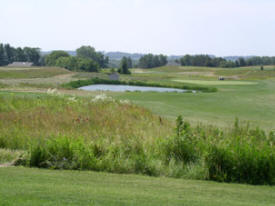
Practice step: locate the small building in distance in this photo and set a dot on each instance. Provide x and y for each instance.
(114, 76)
(21, 64)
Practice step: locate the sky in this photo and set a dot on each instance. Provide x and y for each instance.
(172, 27)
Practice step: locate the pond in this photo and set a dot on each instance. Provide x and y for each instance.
(124, 88)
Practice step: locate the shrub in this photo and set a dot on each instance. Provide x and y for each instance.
(243, 162)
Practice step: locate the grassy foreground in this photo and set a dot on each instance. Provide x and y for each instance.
(27, 187)
(103, 134)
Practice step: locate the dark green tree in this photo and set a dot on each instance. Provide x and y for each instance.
(87, 65)
(89, 52)
(124, 67)
(3, 57)
(32, 55)
(151, 61)
(50, 60)
(20, 55)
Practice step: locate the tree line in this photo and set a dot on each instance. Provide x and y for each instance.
(207, 61)
(9, 54)
(151, 61)
(86, 59)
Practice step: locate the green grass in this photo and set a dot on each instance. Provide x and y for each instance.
(22, 186)
(103, 134)
(215, 83)
(250, 102)
(25, 116)
(28, 73)
(254, 103)
(9, 156)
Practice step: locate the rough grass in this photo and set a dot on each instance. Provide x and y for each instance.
(27, 73)
(104, 134)
(37, 116)
(9, 156)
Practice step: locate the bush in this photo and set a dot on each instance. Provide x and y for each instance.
(244, 163)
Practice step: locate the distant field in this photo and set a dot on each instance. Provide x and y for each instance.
(247, 93)
(214, 83)
(31, 187)
(33, 72)
(33, 77)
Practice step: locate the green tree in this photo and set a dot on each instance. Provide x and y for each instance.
(69, 63)
(77, 64)
(129, 62)
(89, 52)
(124, 67)
(3, 57)
(51, 59)
(151, 61)
(32, 55)
(20, 55)
(10, 53)
(87, 65)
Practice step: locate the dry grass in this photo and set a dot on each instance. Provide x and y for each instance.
(40, 116)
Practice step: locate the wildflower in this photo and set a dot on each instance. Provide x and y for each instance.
(52, 91)
(102, 97)
(72, 99)
(126, 101)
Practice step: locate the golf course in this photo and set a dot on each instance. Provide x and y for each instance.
(126, 140)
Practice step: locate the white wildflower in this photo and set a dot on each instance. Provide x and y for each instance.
(126, 101)
(52, 91)
(72, 99)
(102, 97)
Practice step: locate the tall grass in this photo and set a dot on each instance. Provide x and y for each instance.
(103, 134)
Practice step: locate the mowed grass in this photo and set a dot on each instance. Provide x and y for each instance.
(215, 83)
(253, 103)
(25, 186)
(247, 93)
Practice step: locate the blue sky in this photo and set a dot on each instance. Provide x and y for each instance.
(219, 27)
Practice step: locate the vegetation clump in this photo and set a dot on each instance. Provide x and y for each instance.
(104, 134)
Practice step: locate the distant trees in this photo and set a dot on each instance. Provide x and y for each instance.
(77, 64)
(89, 52)
(51, 59)
(9, 54)
(125, 64)
(86, 59)
(202, 60)
(3, 57)
(206, 60)
(151, 61)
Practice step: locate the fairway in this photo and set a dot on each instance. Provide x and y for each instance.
(137, 103)
(215, 83)
(31, 187)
